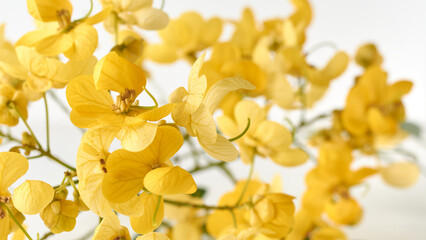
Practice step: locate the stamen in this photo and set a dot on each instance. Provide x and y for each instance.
(5, 199)
(124, 101)
(2, 213)
(64, 18)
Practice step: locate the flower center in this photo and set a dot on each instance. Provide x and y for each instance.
(5, 199)
(124, 101)
(64, 18)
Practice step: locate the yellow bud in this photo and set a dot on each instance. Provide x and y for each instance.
(368, 55)
(400, 174)
(344, 211)
(60, 216)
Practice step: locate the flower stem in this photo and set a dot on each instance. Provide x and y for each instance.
(241, 134)
(154, 222)
(47, 123)
(246, 184)
(15, 220)
(26, 124)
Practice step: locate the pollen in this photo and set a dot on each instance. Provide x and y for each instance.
(124, 101)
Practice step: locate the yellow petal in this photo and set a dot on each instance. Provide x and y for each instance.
(74, 68)
(249, 109)
(32, 196)
(397, 90)
(131, 208)
(161, 53)
(220, 89)
(167, 143)
(196, 86)
(211, 31)
(85, 41)
(90, 189)
(400, 174)
(380, 123)
(169, 180)
(151, 18)
(153, 236)
(273, 135)
(228, 126)
(336, 65)
(47, 10)
(222, 149)
(290, 157)
(146, 223)
(110, 228)
(99, 17)
(137, 137)
(32, 38)
(203, 125)
(88, 104)
(55, 44)
(157, 113)
(12, 167)
(115, 73)
(125, 173)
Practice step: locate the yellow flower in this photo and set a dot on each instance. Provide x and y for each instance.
(367, 55)
(75, 39)
(130, 172)
(110, 228)
(153, 236)
(264, 137)
(331, 181)
(194, 111)
(93, 106)
(344, 211)
(246, 34)
(185, 36)
(12, 167)
(400, 174)
(42, 73)
(188, 225)
(131, 46)
(8, 96)
(60, 215)
(374, 108)
(133, 12)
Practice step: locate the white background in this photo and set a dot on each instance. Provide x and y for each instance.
(397, 27)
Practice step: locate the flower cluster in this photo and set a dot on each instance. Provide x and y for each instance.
(232, 88)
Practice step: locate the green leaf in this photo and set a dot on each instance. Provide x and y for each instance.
(412, 128)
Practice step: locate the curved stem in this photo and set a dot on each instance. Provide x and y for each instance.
(152, 97)
(241, 134)
(163, 3)
(246, 184)
(154, 222)
(90, 10)
(47, 123)
(321, 45)
(15, 220)
(234, 218)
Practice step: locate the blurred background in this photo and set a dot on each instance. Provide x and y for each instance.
(398, 29)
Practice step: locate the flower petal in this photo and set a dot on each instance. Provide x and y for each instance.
(32, 196)
(12, 167)
(222, 149)
(169, 180)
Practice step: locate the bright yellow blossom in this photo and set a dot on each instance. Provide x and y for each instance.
(134, 12)
(184, 37)
(75, 39)
(264, 137)
(93, 106)
(110, 228)
(195, 107)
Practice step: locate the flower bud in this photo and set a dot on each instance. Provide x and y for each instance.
(344, 211)
(400, 174)
(60, 216)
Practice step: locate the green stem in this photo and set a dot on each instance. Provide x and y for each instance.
(49, 155)
(321, 45)
(228, 173)
(26, 124)
(90, 10)
(152, 97)
(15, 220)
(154, 222)
(234, 218)
(47, 123)
(241, 134)
(246, 183)
(210, 165)
(45, 236)
(163, 3)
